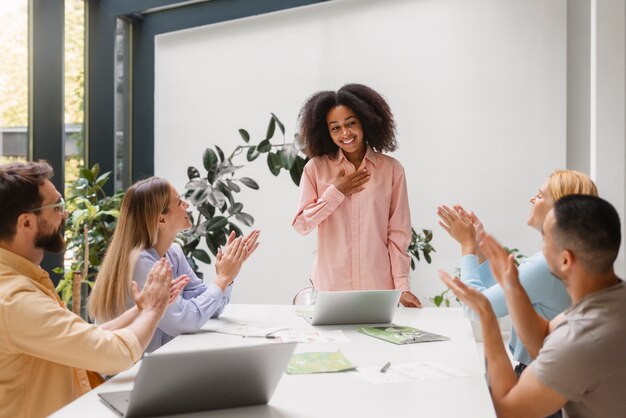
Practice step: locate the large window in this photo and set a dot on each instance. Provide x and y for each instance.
(74, 84)
(14, 144)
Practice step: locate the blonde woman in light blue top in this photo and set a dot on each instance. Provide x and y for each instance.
(546, 292)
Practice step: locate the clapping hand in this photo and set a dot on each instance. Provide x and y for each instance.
(501, 262)
(351, 183)
(478, 225)
(250, 241)
(159, 290)
(460, 227)
(230, 260)
(471, 297)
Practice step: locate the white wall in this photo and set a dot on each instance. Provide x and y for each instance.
(478, 89)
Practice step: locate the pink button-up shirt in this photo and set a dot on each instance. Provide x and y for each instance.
(362, 239)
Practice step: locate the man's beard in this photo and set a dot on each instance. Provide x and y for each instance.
(53, 242)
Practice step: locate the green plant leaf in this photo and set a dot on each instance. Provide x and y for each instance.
(274, 163)
(233, 186)
(236, 208)
(201, 255)
(279, 123)
(271, 127)
(227, 169)
(100, 181)
(264, 146)
(297, 142)
(297, 169)
(245, 218)
(192, 173)
(216, 223)
(245, 135)
(209, 159)
(288, 156)
(211, 244)
(88, 174)
(233, 227)
(249, 182)
(220, 153)
(252, 153)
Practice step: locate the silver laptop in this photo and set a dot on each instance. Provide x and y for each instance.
(176, 383)
(354, 307)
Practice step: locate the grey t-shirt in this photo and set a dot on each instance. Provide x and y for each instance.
(584, 358)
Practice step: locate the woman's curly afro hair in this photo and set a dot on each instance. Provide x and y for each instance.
(373, 112)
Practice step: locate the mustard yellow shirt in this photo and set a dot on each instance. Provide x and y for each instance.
(44, 348)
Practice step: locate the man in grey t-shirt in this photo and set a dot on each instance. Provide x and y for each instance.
(581, 365)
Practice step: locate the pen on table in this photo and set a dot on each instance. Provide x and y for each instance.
(269, 337)
(385, 367)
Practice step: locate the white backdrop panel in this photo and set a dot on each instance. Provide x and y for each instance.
(478, 89)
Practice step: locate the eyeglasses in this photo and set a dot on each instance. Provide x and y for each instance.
(60, 204)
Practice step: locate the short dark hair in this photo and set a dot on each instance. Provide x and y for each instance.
(589, 226)
(19, 192)
(379, 127)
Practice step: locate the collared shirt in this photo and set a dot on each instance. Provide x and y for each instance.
(44, 348)
(194, 307)
(362, 239)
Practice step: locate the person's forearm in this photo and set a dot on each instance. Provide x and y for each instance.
(121, 321)
(530, 327)
(144, 325)
(499, 370)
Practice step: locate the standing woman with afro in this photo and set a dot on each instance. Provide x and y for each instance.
(353, 194)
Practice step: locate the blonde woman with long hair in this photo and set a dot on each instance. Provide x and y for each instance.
(151, 216)
(546, 292)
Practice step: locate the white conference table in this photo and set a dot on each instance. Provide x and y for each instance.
(342, 394)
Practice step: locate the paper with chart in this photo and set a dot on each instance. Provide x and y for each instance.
(408, 372)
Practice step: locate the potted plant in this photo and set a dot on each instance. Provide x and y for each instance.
(88, 230)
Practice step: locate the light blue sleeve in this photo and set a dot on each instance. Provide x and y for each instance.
(471, 275)
(486, 276)
(192, 309)
(534, 276)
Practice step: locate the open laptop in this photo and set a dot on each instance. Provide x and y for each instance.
(176, 383)
(354, 307)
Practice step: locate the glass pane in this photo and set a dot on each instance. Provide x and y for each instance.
(122, 105)
(74, 88)
(14, 143)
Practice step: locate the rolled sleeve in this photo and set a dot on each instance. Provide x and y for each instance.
(312, 209)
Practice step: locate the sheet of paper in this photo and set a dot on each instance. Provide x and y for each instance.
(336, 336)
(409, 372)
(226, 326)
